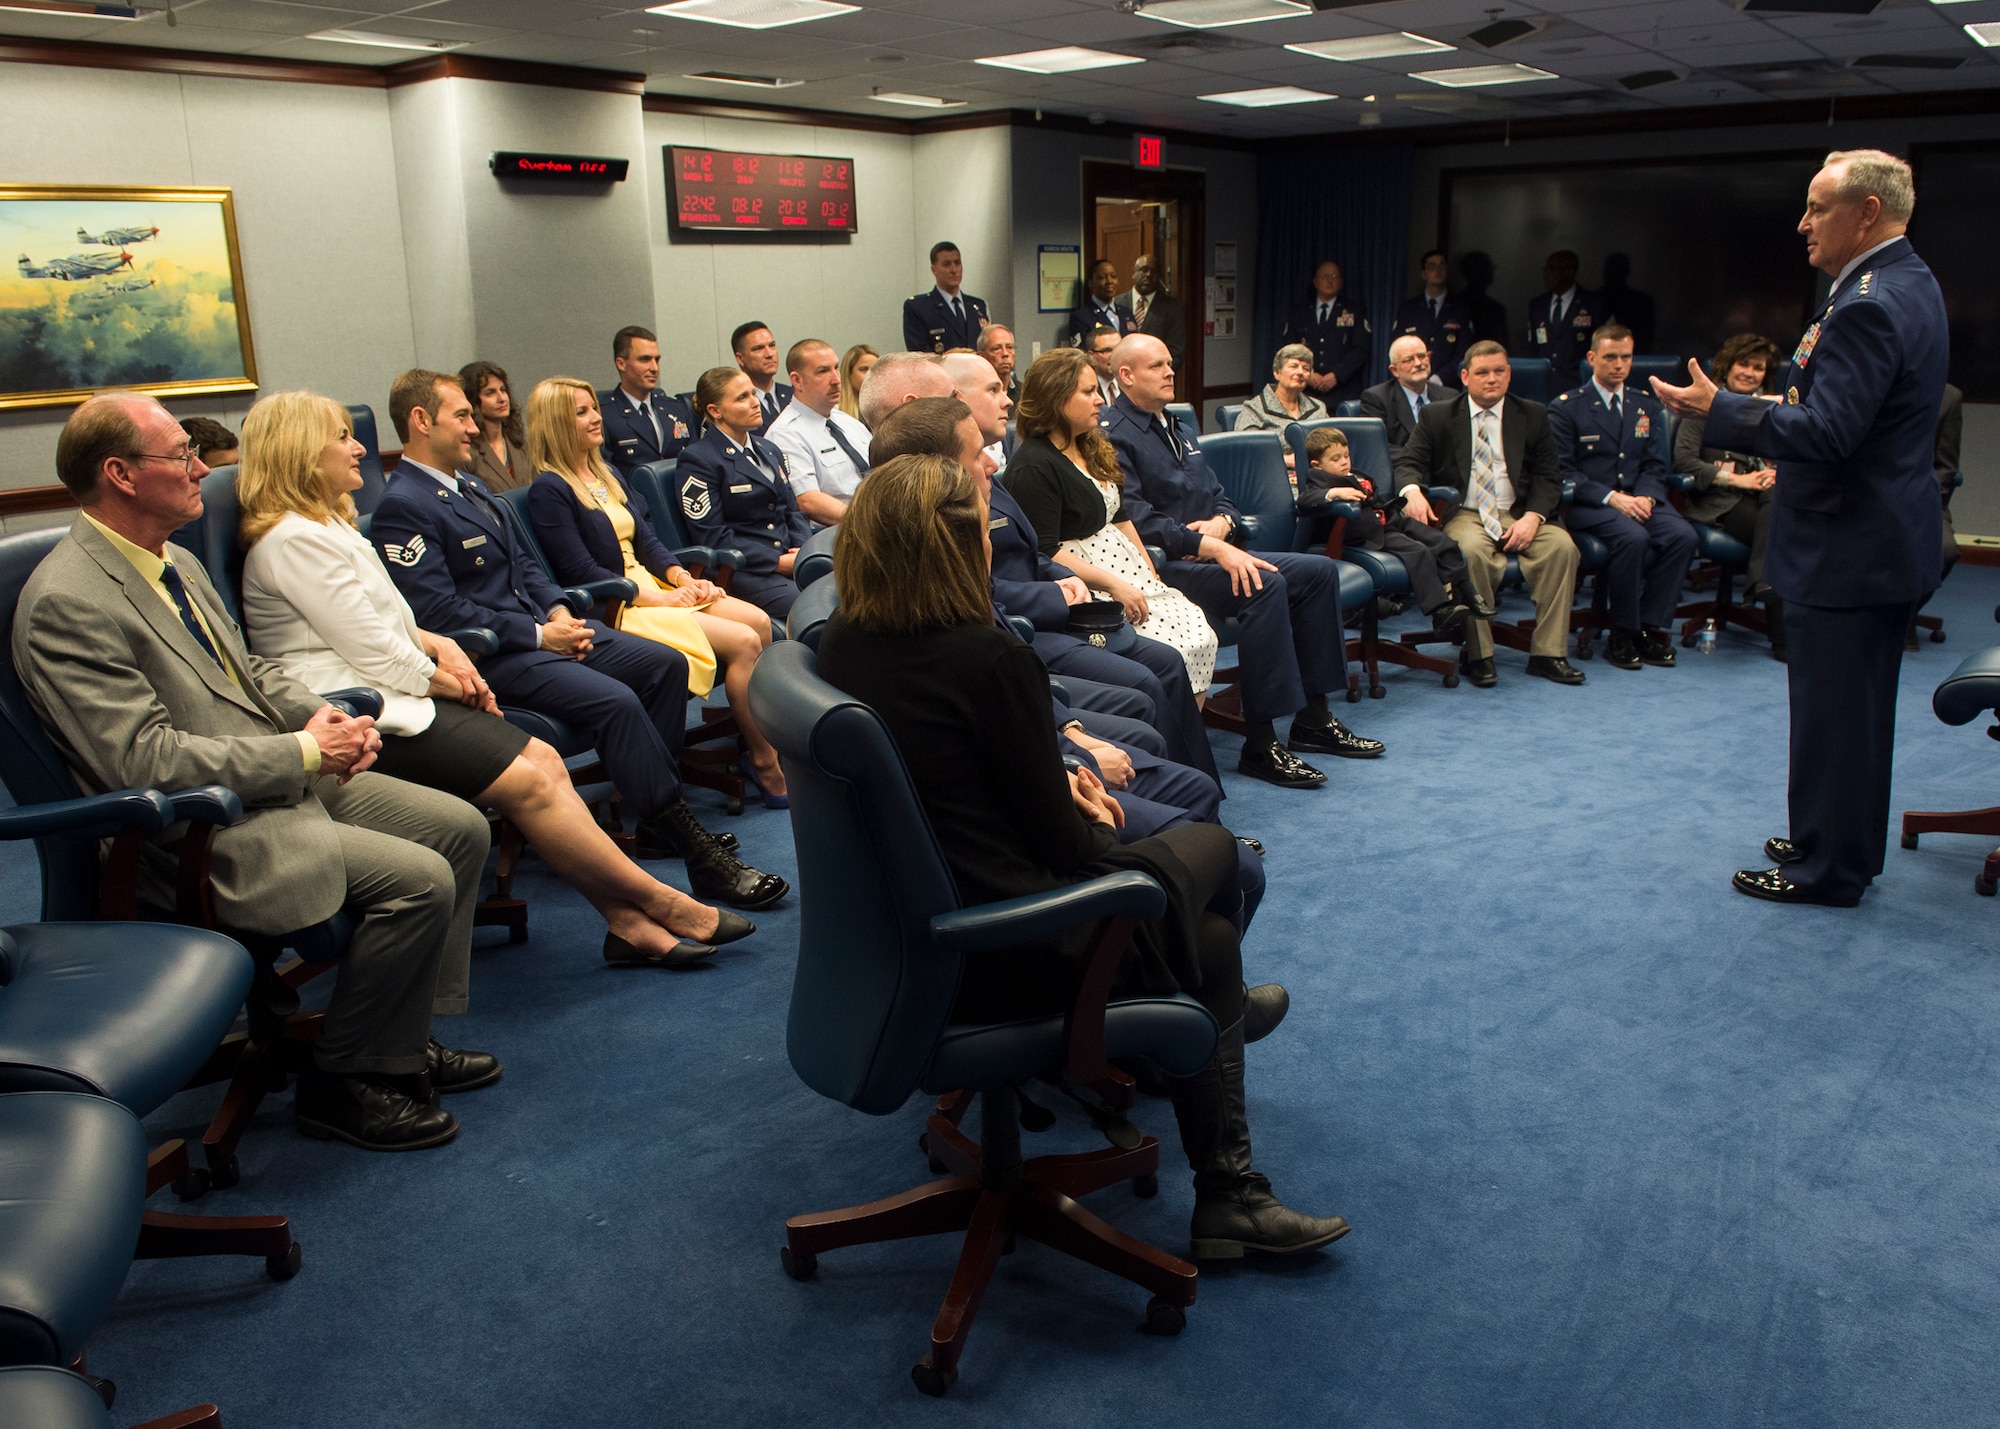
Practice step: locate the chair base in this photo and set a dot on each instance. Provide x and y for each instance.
(165, 1236)
(255, 1063)
(1934, 624)
(1223, 709)
(1723, 610)
(992, 1196)
(708, 757)
(1968, 821)
(1370, 651)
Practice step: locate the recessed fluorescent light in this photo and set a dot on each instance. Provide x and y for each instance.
(80, 9)
(1475, 75)
(388, 42)
(1266, 98)
(1370, 47)
(1986, 33)
(921, 101)
(1065, 59)
(1207, 14)
(752, 14)
(755, 81)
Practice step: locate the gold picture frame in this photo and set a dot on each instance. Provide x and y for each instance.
(146, 296)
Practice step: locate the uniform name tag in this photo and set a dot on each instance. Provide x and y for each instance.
(739, 490)
(995, 523)
(475, 541)
(628, 442)
(1588, 438)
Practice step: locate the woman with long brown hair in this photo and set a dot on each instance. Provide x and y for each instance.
(1732, 491)
(1065, 476)
(591, 530)
(499, 452)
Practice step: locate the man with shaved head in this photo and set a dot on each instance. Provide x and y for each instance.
(1292, 648)
(898, 378)
(826, 451)
(142, 680)
(979, 386)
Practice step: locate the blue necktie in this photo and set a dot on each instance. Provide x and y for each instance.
(860, 462)
(171, 579)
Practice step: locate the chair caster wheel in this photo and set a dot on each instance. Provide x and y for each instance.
(1164, 1317)
(192, 1184)
(735, 806)
(1984, 886)
(799, 1264)
(1354, 697)
(1146, 1187)
(1451, 680)
(1585, 653)
(1687, 642)
(1376, 692)
(1937, 637)
(284, 1266)
(1909, 840)
(931, 1380)
(225, 1172)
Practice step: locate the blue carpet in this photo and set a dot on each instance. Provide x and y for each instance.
(1619, 1146)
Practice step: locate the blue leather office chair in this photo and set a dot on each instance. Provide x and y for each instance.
(815, 558)
(1368, 446)
(1185, 413)
(77, 885)
(52, 1398)
(1968, 692)
(1935, 623)
(708, 757)
(1665, 366)
(374, 480)
(1348, 408)
(655, 484)
(1226, 415)
(1250, 468)
(811, 611)
(1731, 558)
(882, 939)
(1530, 379)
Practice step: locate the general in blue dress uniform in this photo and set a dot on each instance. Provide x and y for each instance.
(1340, 337)
(1855, 521)
(1561, 320)
(946, 316)
(1610, 448)
(735, 493)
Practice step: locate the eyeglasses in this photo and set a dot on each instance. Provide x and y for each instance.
(185, 458)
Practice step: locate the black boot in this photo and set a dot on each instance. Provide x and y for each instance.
(1774, 623)
(1234, 1209)
(714, 873)
(1264, 1007)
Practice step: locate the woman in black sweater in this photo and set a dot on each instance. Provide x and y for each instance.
(967, 703)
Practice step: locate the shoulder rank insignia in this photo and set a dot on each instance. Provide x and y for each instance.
(1861, 288)
(1792, 396)
(1644, 426)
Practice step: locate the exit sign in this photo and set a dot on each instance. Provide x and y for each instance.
(1149, 151)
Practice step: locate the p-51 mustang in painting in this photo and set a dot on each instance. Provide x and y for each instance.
(76, 267)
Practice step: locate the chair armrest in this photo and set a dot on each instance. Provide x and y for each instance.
(594, 591)
(356, 702)
(1157, 555)
(1061, 691)
(1447, 495)
(209, 804)
(474, 639)
(1251, 525)
(697, 557)
(144, 811)
(578, 600)
(1681, 480)
(1023, 627)
(1346, 510)
(1129, 894)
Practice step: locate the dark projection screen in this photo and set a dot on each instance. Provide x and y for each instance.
(1953, 230)
(1710, 241)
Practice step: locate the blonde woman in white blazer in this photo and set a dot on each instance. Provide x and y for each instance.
(317, 600)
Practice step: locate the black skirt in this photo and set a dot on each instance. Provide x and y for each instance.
(462, 752)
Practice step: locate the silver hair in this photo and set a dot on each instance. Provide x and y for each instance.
(984, 340)
(897, 378)
(1886, 177)
(1421, 345)
(1289, 351)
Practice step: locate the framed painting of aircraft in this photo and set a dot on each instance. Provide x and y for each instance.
(134, 289)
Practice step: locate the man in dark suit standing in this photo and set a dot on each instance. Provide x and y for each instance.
(1339, 336)
(641, 423)
(1561, 320)
(1411, 387)
(1099, 307)
(1854, 519)
(1495, 448)
(1152, 310)
(944, 317)
(1438, 316)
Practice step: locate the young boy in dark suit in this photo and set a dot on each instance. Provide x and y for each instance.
(1438, 575)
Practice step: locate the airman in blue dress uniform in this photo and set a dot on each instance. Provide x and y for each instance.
(641, 423)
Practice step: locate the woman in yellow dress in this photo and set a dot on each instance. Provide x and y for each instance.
(591, 531)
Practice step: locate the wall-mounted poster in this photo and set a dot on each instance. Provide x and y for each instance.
(131, 288)
(1058, 277)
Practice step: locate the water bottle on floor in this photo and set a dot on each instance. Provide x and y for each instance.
(1704, 643)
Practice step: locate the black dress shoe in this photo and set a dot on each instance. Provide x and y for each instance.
(1656, 647)
(1450, 621)
(1782, 851)
(460, 1071)
(652, 839)
(1470, 599)
(715, 874)
(1621, 650)
(620, 953)
(1556, 668)
(1778, 652)
(369, 1113)
(1315, 733)
(1264, 1007)
(1771, 885)
(1274, 764)
(1254, 845)
(1480, 672)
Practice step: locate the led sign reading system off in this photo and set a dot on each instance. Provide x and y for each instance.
(719, 190)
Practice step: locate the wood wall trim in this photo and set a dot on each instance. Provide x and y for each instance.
(702, 107)
(27, 500)
(457, 66)
(139, 59)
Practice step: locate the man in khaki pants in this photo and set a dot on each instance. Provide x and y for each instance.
(1496, 449)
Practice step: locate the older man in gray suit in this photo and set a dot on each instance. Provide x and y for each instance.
(142, 681)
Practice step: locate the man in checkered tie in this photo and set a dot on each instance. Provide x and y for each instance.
(1497, 451)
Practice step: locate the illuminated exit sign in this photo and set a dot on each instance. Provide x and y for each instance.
(1149, 151)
